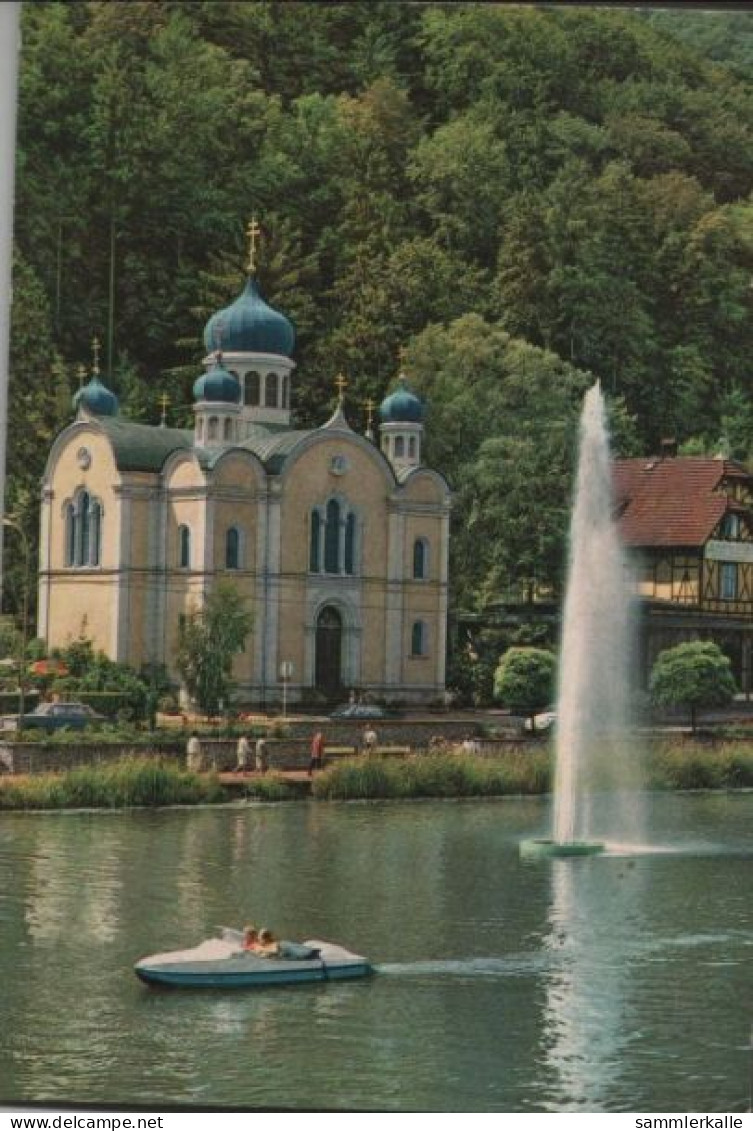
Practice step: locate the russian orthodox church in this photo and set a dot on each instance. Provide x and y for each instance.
(338, 542)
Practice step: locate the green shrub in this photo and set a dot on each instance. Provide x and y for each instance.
(695, 674)
(524, 680)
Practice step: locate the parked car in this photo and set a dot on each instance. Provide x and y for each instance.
(545, 721)
(54, 716)
(360, 711)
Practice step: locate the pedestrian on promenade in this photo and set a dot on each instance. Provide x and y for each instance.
(194, 754)
(370, 739)
(261, 756)
(243, 755)
(317, 752)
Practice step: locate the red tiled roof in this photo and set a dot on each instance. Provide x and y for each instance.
(672, 502)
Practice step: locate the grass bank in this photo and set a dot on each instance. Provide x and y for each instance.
(271, 787)
(669, 765)
(130, 782)
(689, 764)
(138, 781)
(434, 775)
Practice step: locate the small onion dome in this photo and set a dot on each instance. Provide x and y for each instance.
(249, 325)
(402, 406)
(96, 398)
(217, 385)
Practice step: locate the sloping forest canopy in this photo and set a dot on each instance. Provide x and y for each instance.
(524, 198)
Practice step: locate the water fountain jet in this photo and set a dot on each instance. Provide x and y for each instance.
(594, 770)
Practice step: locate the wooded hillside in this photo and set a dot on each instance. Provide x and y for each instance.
(524, 198)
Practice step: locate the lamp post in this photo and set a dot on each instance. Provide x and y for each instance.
(286, 674)
(15, 525)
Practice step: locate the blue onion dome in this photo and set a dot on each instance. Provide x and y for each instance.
(249, 325)
(217, 385)
(402, 406)
(96, 398)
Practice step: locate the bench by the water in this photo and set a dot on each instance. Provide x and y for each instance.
(357, 751)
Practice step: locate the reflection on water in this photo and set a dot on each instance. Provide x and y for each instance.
(595, 923)
(611, 983)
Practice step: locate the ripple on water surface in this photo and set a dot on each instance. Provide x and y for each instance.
(602, 984)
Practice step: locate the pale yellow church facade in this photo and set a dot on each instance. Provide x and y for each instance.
(337, 540)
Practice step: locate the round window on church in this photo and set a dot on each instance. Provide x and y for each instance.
(83, 458)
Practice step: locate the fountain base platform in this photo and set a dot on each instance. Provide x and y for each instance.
(544, 847)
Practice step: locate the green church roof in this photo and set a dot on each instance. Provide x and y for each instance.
(144, 447)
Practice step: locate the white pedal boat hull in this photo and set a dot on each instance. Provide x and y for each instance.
(219, 963)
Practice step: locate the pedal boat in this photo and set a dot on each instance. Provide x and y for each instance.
(221, 963)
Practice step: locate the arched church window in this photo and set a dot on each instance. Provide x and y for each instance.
(350, 543)
(228, 428)
(212, 428)
(332, 537)
(70, 535)
(412, 447)
(251, 387)
(85, 528)
(95, 532)
(418, 639)
(271, 390)
(399, 447)
(420, 559)
(232, 548)
(83, 531)
(315, 557)
(184, 547)
(285, 391)
(200, 429)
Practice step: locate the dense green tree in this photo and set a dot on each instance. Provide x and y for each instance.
(461, 173)
(38, 404)
(525, 680)
(695, 675)
(726, 37)
(503, 418)
(209, 639)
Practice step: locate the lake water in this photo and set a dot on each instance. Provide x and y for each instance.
(616, 983)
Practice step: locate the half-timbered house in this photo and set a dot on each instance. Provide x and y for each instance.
(688, 522)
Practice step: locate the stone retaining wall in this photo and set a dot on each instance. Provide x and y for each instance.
(416, 733)
(288, 753)
(38, 757)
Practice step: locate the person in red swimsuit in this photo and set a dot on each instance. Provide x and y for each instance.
(250, 938)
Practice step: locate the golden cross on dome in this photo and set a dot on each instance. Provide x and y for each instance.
(81, 374)
(341, 384)
(253, 231)
(402, 354)
(164, 402)
(95, 351)
(370, 406)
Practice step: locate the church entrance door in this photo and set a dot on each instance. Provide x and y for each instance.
(329, 633)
